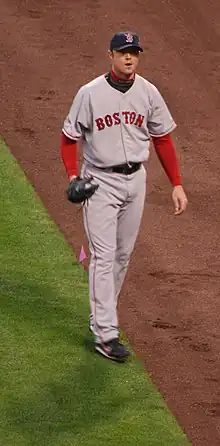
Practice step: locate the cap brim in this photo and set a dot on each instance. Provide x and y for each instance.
(123, 47)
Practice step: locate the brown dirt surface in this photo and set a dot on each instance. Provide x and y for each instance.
(170, 303)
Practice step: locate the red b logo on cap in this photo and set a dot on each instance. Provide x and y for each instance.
(129, 37)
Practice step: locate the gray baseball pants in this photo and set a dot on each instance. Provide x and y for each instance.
(112, 219)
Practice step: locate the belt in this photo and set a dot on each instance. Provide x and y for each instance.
(125, 169)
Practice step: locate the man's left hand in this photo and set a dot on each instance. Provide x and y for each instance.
(179, 199)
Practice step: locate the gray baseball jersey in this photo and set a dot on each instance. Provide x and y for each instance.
(116, 127)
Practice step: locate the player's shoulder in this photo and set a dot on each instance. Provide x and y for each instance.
(83, 92)
(149, 89)
(145, 83)
(93, 84)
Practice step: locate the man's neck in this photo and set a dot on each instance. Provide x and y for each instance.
(121, 78)
(119, 84)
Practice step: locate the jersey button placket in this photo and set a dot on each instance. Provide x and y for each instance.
(123, 142)
(122, 124)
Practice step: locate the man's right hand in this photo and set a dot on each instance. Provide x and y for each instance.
(71, 178)
(81, 189)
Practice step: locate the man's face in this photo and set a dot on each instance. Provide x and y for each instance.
(125, 62)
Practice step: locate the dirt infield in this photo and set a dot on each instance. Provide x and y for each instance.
(170, 304)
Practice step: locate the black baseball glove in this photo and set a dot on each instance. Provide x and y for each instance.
(80, 189)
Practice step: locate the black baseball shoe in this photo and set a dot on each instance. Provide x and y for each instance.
(114, 350)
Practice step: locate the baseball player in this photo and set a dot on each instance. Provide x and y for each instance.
(115, 116)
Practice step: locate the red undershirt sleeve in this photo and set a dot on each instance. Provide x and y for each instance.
(69, 150)
(166, 153)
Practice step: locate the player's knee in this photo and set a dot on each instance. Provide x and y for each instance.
(123, 258)
(105, 258)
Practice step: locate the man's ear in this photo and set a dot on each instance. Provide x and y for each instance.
(110, 54)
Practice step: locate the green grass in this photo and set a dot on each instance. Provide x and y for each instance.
(54, 390)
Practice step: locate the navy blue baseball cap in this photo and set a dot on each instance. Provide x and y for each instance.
(123, 40)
